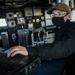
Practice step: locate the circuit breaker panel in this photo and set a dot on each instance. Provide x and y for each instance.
(25, 23)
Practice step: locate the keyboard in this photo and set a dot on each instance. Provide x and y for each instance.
(17, 64)
(7, 67)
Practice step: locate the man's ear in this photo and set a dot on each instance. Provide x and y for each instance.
(67, 17)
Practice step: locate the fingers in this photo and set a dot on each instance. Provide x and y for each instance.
(17, 50)
(12, 51)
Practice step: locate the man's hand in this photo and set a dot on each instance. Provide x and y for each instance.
(17, 50)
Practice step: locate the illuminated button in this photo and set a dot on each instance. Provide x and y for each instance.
(37, 20)
(33, 20)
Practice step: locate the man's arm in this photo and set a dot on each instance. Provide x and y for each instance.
(60, 49)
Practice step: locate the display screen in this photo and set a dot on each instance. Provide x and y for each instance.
(3, 22)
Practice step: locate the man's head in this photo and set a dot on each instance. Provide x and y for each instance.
(60, 6)
(60, 10)
(61, 13)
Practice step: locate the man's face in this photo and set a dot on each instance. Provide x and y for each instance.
(59, 13)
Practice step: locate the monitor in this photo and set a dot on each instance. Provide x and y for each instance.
(3, 23)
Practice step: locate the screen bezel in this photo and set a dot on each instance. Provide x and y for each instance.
(3, 26)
